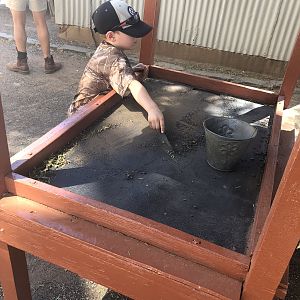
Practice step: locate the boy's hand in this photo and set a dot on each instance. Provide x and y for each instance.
(141, 71)
(155, 116)
(139, 67)
(156, 120)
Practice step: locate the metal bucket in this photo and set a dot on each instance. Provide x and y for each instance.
(226, 141)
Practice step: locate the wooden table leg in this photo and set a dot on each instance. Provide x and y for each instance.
(5, 167)
(13, 273)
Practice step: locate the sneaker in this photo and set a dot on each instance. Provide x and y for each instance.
(51, 66)
(21, 66)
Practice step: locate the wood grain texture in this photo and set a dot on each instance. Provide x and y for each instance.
(122, 263)
(151, 16)
(13, 273)
(265, 196)
(225, 261)
(60, 135)
(214, 85)
(279, 237)
(5, 166)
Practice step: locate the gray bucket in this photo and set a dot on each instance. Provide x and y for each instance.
(226, 141)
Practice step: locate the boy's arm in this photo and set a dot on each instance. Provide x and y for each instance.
(155, 116)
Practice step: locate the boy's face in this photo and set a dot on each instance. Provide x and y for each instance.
(121, 40)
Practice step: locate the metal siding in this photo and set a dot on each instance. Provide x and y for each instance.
(286, 31)
(265, 28)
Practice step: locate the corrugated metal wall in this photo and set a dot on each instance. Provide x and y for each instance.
(266, 28)
(78, 12)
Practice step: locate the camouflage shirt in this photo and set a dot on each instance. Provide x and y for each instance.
(109, 68)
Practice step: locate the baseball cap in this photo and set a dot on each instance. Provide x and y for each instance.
(117, 15)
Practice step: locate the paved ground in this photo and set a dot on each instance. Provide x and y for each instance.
(34, 104)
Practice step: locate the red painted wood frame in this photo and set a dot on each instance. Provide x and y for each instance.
(5, 167)
(31, 219)
(190, 248)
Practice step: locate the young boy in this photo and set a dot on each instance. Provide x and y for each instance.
(109, 67)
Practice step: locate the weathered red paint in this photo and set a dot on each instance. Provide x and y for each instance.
(5, 167)
(265, 196)
(217, 258)
(151, 14)
(215, 85)
(115, 260)
(59, 136)
(279, 237)
(13, 273)
(170, 265)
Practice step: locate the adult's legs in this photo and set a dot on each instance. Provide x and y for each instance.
(19, 19)
(39, 17)
(42, 31)
(38, 8)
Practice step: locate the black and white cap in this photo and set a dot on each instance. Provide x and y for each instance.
(117, 15)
